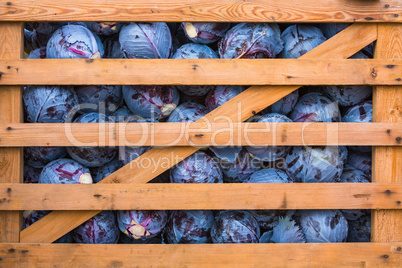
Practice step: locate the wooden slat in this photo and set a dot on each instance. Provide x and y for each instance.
(11, 161)
(200, 134)
(201, 71)
(221, 196)
(203, 10)
(387, 164)
(238, 109)
(206, 255)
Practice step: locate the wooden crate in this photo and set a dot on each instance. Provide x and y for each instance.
(373, 21)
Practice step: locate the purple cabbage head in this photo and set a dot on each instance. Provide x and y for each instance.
(266, 237)
(38, 157)
(104, 28)
(32, 216)
(284, 105)
(354, 175)
(39, 53)
(221, 94)
(112, 49)
(270, 153)
(331, 29)
(268, 219)
(188, 112)
(287, 231)
(226, 153)
(73, 42)
(102, 172)
(360, 230)
(45, 28)
(31, 174)
(146, 40)
(236, 163)
(315, 107)
(235, 226)
(99, 99)
(323, 226)
(205, 32)
(270, 175)
(121, 115)
(361, 161)
(343, 151)
(92, 156)
(28, 41)
(354, 214)
(250, 41)
(189, 227)
(65, 171)
(41, 32)
(141, 224)
(49, 104)
(100, 229)
(361, 113)
(151, 102)
(300, 39)
(314, 164)
(197, 168)
(195, 51)
(197, 99)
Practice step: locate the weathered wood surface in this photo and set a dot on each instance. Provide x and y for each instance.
(206, 255)
(387, 164)
(11, 162)
(200, 134)
(238, 109)
(201, 71)
(157, 196)
(203, 10)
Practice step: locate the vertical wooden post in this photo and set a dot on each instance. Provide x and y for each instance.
(387, 161)
(11, 159)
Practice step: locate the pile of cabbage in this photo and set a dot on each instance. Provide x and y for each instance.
(243, 164)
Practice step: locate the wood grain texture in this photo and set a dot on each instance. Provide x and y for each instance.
(387, 164)
(11, 162)
(206, 255)
(218, 196)
(200, 134)
(238, 109)
(201, 72)
(203, 10)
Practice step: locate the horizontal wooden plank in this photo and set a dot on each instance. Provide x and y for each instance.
(202, 10)
(203, 255)
(200, 196)
(201, 71)
(200, 134)
(238, 109)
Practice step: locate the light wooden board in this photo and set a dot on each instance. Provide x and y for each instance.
(387, 164)
(11, 162)
(200, 134)
(203, 10)
(220, 196)
(201, 71)
(238, 109)
(207, 255)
